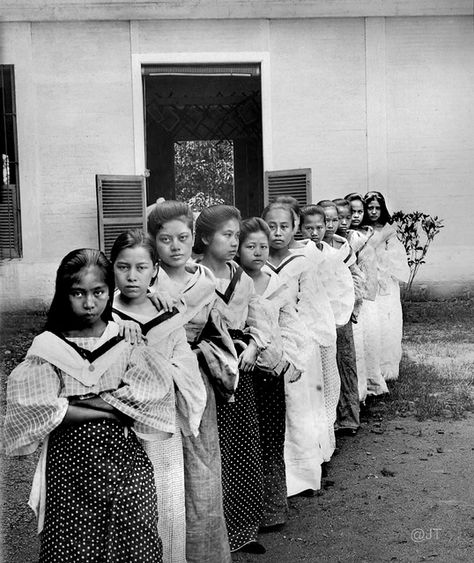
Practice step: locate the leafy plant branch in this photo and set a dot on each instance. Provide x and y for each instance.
(416, 230)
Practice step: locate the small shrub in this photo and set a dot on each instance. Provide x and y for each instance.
(416, 230)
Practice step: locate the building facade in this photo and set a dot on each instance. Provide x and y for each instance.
(366, 95)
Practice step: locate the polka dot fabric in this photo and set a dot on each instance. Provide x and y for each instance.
(270, 400)
(101, 502)
(241, 464)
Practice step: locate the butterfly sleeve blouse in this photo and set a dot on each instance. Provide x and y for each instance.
(133, 379)
(288, 333)
(240, 307)
(392, 264)
(198, 294)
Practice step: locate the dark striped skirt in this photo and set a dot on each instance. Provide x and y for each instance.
(206, 533)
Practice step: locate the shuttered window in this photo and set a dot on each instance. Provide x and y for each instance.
(295, 183)
(10, 227)
(121, 205)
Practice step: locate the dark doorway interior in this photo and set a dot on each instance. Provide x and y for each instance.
(185, 105)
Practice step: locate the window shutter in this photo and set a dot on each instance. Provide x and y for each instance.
(121, 205)
(295, 183)
(9, 222)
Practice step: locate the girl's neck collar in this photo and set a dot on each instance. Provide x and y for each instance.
(178, 275)
(131, 303)
(134, 306)
(219, 268)
(95, 331)
(261, 281)
(277, 256)
(255, 275)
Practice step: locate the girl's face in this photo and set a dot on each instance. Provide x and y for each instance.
(134, 270)
(253, 252)
(374, 211)
(344, 217)
(313, 227)
(224, 243)
(88, 296)
(174, 243)
(281, 228)
(332, 221)
(357, 212)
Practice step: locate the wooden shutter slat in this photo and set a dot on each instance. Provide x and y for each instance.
(121, 205)
(9, 222)
(295, 183)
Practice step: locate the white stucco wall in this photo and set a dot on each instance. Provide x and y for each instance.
(430, 125)
(365, 103)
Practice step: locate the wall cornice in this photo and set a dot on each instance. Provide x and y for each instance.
(77, 10)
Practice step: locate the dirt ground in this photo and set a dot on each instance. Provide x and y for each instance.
(400, 490)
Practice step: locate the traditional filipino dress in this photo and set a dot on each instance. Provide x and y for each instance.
(165, 333)
(93, 489)
(392, 268)
(366, 331)
(306, 422)
(278, 366)
(206, 533)
(237, 419)
(336, 291)
(348, 407)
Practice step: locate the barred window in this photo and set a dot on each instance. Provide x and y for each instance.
(10, 239)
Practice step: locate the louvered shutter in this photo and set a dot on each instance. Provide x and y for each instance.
(295, 183)
(121, 205)
(9, 222)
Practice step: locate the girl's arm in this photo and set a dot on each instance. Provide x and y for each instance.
(34, 408)
(93, 402)
(293, 335)
(162, 300)
(340, 289)
(76, 414)
(130, 330)
(101, 407)
(397, 259)
(146, 392)
(248, 358)
(315, 306)
(191, 393)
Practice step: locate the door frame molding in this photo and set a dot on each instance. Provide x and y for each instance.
(239, 57)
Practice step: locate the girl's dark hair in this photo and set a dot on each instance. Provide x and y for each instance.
(60, 317)
(210, 220)
(285, 207)
(311, 209)
(354, 196)
(325, 203)
(253, 225)
(169, 210)
(131, 239)
(385, 216)
(341, 202)
(292, 202)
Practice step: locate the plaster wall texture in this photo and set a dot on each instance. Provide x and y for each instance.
(366, 103)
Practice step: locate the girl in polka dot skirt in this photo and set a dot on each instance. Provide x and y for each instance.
(81, 389)
(217, 239)
(171, 224)
(135, 260)
(275, 368)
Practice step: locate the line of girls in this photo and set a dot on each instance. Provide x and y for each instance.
(181, 401)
